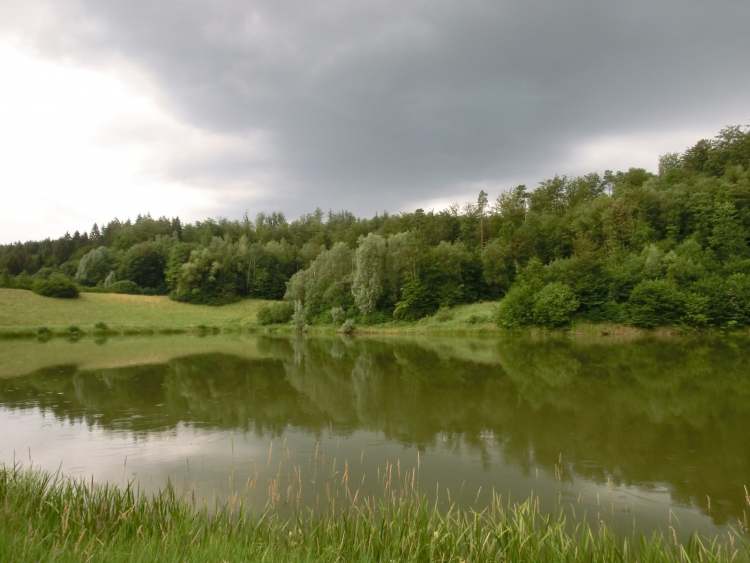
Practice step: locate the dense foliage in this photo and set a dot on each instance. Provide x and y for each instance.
(276, 313)
(56, 285)
(649, 249)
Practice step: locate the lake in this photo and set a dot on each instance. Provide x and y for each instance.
(642, 434)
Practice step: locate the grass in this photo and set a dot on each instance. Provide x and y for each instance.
(472, 317)
(49, 518)
(23, 313)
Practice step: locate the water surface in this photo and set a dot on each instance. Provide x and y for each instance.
(643, 434)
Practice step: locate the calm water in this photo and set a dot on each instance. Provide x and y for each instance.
(643, 434)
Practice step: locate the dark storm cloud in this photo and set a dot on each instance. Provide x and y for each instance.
(372, 105)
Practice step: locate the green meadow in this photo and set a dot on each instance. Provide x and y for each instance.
(26, 314)
(22, 311)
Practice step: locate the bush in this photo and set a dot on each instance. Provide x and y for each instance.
(516, 308)
(477, 319)
(738, 297)
(443, 314)
(276, 313)
(338, 315)
(125, 286)
(56, 285)
(43, 273)
(43, 333)
(554, 305)
(347, 327)
(416, 301)
(374, 318)
(655, 302)
(696, 309)
(22, 281)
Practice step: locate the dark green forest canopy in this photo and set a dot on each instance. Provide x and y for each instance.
(649, 249)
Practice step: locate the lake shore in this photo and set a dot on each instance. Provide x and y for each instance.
(46, 515)
(24, 314)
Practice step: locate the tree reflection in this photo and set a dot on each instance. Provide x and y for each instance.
(642, 413)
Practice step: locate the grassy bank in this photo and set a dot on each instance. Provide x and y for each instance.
(45, 518)
(23, 313)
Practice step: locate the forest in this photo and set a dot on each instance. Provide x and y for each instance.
(632, 247)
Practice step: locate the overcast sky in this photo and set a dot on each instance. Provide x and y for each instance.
(110, 108)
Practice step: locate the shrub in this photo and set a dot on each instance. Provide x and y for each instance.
(374, 318)
(56, 285)
(101, 327)
(23, 281)
(554, 305)
(416, 301)
(75, 331)
(738, 297)
(516, 308)
(655, 302)
(477, 319)
(443, 314)
(44, 273)
(276, 313)
(125, 286)
(347, 327)
(338, 315)
(43, 333)
(696, 309)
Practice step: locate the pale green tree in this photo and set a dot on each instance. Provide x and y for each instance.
(95, 266)
(368, 283)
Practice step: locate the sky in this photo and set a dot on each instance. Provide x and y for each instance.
(213, 109)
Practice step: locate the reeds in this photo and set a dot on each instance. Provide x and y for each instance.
(45, 517)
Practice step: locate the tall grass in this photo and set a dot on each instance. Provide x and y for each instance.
(45, 517)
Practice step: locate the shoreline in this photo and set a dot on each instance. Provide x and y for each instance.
(581, 330)
(25, 315)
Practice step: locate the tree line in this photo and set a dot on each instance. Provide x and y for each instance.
(632, 246)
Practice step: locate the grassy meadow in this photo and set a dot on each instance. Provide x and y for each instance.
(22, 312)
(49, 518)
(26, 314)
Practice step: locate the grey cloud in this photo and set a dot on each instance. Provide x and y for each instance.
(368, 105)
